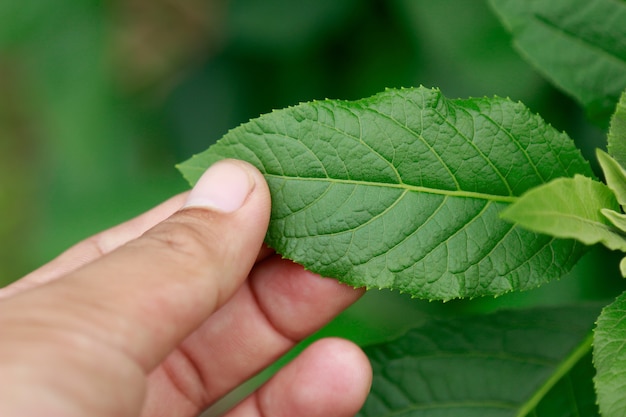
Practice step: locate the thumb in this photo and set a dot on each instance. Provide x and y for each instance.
(143, 298)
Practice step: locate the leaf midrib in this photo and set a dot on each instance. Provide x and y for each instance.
(564, 367)
(403, 186)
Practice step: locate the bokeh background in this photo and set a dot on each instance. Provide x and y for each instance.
(100, 99)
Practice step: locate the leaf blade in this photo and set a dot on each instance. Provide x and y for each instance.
(509, 363)
(569, 208)
(557, 36)
(617, 219)
(617, 132)
(380, 191)
(614, 174)
(609, 358)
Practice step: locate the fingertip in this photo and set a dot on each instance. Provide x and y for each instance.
(332, 377)
(223, 187)
(344, 376)
(287, 293)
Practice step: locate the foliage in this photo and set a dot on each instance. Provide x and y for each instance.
(435, 197)
(609, 359)
(91, 125)
(490, 365)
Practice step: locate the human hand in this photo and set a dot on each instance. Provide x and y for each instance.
(165, 314)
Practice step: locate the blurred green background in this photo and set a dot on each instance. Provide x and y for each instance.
(99, 101)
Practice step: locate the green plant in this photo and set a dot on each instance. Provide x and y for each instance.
(446, 199)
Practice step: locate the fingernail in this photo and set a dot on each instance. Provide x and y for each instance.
(223, 187)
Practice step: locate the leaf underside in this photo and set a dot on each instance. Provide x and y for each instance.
(507, 364)
(578, 44)
(404, 190)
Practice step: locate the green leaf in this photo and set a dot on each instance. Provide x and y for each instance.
(614, 174)
(609, 358)
(471, 54)
(508, 364)
(617, 132)
(569, 208)
(579, 45)
(404, 190)
(617, 219)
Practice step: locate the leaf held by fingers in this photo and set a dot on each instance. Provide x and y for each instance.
(404, 190)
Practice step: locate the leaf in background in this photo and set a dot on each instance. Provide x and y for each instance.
(470, 55)
(579, 45)
(614, 174)
(404, 190)
(609, 358)
(277, 26)
(507, 364)
(569, 208)
(617, 132)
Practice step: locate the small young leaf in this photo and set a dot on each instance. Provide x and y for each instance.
(617, 219)
(508, 364)
(617, 132)
(580, 45)
(609, 357)
(622, 267)
(404, 190)
(569, 208)
(614, 174)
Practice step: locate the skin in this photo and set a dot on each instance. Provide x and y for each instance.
(165, 314)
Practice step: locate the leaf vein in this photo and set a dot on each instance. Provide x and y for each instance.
(405, 186)
(495, 169)
(516, 142)
(421, 138)
(362, 141)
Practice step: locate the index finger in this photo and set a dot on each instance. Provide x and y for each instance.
(101, 244)
(96, 246)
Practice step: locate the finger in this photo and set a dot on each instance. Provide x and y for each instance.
(100, 244)
(131, 307)
(279, 305)
(331, 378)
(95, 246)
